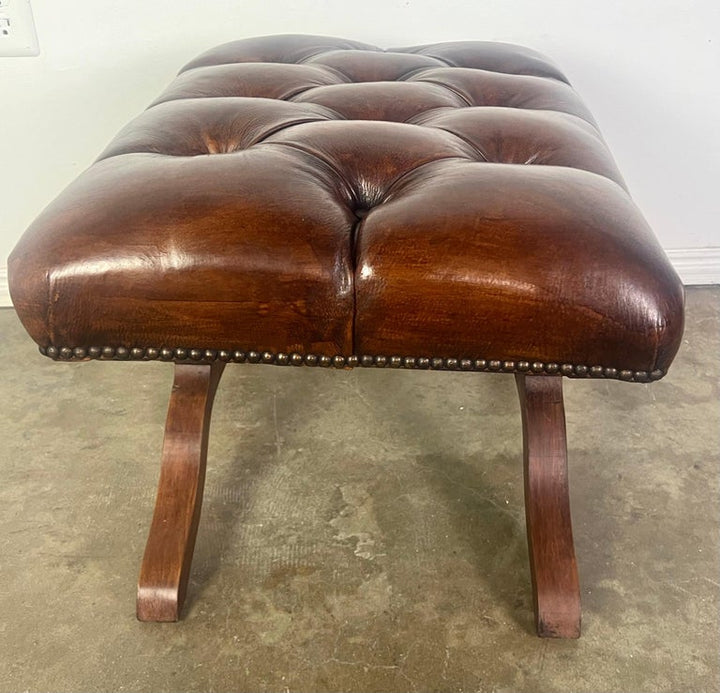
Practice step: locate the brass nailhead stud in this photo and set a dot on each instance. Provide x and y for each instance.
(340, 361)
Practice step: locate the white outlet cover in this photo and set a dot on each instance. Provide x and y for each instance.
(21, 39)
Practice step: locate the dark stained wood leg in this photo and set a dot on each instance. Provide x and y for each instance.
(169, 550)
(556, 588)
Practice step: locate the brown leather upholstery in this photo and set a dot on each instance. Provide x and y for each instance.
(302, 199)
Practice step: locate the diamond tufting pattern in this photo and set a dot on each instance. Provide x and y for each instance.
(308, 195)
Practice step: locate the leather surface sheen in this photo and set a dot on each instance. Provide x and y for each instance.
(311, 195)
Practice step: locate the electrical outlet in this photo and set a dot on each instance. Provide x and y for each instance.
(17, 29)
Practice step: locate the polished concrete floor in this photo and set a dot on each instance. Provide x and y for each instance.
(362, 531)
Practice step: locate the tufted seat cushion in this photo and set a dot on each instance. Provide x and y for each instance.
(303, 199)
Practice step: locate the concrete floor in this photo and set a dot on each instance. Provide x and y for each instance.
(362, 531)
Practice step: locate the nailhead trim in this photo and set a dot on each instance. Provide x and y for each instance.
(366, 361)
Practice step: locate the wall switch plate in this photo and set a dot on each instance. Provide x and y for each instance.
(17, 29)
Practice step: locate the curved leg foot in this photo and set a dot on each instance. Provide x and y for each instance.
(168, 553)
(556, 588)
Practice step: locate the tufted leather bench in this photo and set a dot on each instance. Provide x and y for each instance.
(303, 200)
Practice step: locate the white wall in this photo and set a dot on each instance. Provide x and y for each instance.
(648, 69)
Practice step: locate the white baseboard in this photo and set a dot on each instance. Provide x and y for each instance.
(694, 265)
(5, 301)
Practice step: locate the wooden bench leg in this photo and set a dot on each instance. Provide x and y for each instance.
(169, 550)
(556, 588)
